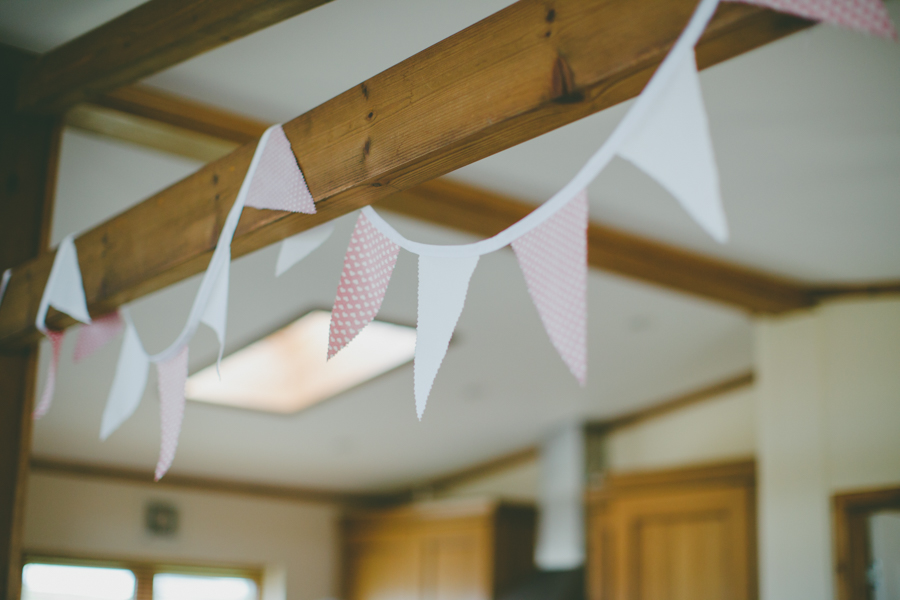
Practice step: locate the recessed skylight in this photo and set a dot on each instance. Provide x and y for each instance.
(286, 371)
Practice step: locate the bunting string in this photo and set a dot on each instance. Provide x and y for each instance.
(665, 133)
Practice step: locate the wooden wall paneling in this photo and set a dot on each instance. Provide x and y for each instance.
(28, 153)
(687, 533)
(457, 546)
(145, 40)
(519, 73)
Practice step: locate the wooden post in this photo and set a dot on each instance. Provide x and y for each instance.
(28, 156)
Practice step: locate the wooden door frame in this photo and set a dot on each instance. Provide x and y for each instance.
(852, 551)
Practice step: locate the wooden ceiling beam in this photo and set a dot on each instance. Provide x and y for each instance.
(517, 74)
(145, 40)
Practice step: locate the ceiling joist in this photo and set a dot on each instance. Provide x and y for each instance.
(146, 40)
(521, 72)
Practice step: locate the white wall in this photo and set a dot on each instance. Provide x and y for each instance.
(829, 421)
(297, 544)
(715, 430)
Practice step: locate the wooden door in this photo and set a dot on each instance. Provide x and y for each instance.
(384, 569)
(680, 535)
(455, 562)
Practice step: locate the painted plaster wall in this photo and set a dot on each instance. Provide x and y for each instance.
(296, 544)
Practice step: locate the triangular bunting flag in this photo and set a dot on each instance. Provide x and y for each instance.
(171, 376)
(98, 333)
(278, 183)
(553, 258)
(368, 266)
(673, 146)
(215, 315)
(443, 285)
(56, 339)
(128, 384)
(297, 247)
(868, 16)
(64, 290)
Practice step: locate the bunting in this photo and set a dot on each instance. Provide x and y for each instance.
(553, 258)
(97, 334)
(56, 339)
(278, 183)
(672, 144)
(171, 378)
(216, 313)
(129, 383)
(665, 133)
(867, 16)
(443, 285)
(368, 266)
(297, 247)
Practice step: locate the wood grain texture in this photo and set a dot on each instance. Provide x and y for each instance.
(147, 39)
(29, 148)
(210, 484)
(521, 72)
(683, 533)
(475, 549)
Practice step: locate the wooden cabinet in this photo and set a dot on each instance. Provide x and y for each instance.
(688, 534)
(471, 550)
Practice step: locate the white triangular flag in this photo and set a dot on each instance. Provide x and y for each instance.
(128, 384)
(297, 247)
(216, 313)
(171, 377)
(64, 290)
(443, 285)
(673, 146)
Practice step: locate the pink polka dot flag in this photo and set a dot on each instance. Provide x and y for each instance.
(171, 378)
(96, 334)
(368, 266)
(278, 183)
(869, 16)
(56, 339)
(553, 258)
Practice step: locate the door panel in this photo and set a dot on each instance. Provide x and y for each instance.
(691, 540)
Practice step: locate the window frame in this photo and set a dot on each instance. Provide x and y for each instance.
(145, 569)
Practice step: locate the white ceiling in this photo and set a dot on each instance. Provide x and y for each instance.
(807, 136)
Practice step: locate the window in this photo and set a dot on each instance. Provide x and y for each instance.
(69, 582)
(45, 578)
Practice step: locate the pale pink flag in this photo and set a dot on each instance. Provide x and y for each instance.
(869, 16)
(368, 265)
(278, 183)
(171, 378)
(553, 258)
(56, 339)
(96, 334)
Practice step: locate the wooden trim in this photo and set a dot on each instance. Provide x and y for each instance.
(144, 569)
(145, 132)
(145, 40)
(478, 471)
(740, 473)
(517, 74)
(852, 551)
(738, 382)
(162, 107)
(208, 484)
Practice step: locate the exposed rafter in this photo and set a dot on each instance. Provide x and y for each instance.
(519, 73)
(150, 38)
